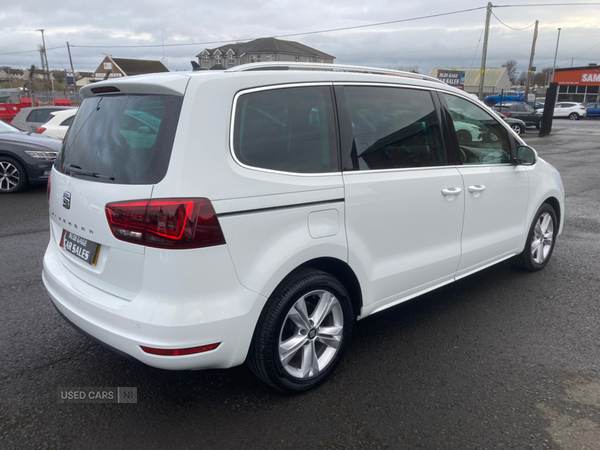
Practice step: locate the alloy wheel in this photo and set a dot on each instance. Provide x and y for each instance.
(9, 176)
(311, 334)
(542, 238)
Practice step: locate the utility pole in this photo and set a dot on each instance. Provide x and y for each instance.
(72, 70)
(484, 50)
(555, 54)
(531, 61)
(45, 56)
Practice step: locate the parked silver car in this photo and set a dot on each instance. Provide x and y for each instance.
(30, 119)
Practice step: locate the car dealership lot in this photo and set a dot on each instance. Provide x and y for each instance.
(503, 358)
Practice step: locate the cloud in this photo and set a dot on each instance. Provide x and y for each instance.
(452, 40)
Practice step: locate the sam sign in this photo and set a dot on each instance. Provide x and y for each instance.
(454, 78)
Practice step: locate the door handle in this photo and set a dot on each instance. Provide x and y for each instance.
(477, 188)
(451, 193)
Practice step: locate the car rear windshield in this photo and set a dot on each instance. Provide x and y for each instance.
(124, 139)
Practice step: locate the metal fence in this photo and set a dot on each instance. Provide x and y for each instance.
(48, 97)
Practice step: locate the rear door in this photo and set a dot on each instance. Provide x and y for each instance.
(404, 203)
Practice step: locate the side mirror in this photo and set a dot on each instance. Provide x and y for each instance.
(526, 156)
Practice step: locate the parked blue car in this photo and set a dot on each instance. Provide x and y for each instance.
(593, 109)
(509, 96)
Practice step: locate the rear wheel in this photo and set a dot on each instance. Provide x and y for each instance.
(574, 116)
(517, 128)
(302, 333)
(540, 240)
(490, 102)
(13, 177)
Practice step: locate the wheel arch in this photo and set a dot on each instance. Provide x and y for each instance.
(336, 268)
(553, 201)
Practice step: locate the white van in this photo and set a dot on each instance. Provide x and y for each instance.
(204, 219)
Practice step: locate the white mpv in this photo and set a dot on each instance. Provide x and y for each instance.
(210, 218)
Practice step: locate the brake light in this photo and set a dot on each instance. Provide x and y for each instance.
(41, 130)
(506, 114)
(177, 223)
(104, 90)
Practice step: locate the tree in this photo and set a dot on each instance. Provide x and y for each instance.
(511, 67)
(540, 78)
(522, 79)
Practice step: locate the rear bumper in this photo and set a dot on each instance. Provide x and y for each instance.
(165, 323)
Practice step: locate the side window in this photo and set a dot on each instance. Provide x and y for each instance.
(481, 138)
(529, 108)
(519, 108)
(393, 128)
(44, 115)
(290, 130)
(32, 117)
(67, 122)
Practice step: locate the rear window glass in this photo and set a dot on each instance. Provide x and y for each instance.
(125, 139)
(290, 130)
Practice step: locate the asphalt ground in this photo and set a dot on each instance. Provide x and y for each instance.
(502, 359)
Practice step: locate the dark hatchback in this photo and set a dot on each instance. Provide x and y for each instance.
(25, 158)
(521, 111)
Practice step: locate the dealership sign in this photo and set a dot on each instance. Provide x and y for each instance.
(454, 78)
(590, 77)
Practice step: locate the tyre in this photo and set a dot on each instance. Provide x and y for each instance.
(302, 333)
(574, 116)
(490, 102)
(540, 240)
(13, 177)
(464, 137)
(538, 125)
(517, 128)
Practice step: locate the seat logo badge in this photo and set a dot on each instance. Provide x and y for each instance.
(67, 200)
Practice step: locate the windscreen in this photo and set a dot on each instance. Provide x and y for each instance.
(123, 139)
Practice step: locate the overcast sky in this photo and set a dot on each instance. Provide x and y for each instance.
(449, 41)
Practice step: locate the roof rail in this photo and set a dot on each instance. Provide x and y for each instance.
(279, 65)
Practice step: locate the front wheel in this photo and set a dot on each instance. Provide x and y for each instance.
(303, 332)
(574, 116)
(540, 240)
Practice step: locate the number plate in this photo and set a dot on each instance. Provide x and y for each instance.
(82, 248)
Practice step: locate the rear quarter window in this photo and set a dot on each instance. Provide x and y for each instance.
(286, 129)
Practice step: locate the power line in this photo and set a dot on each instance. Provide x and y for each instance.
(31, 51)
(330, 30)
(516, 29)
(546, 4)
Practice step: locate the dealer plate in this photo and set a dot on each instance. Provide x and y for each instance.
(82, 248)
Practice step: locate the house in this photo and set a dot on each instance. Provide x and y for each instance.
(260, 50)
(122, 67)
(7, 73)
(495, 80)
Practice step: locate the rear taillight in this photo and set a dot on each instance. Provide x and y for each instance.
(506, 114)
(176, 223)
(48, 187)
(41, 130)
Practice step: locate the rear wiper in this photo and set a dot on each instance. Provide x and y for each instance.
(72, 168)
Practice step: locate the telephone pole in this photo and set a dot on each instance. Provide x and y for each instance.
(72, 70)
(484, 51)
(45, 56)
(535, 33)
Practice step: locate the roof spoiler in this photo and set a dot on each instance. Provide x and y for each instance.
(196, 66)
